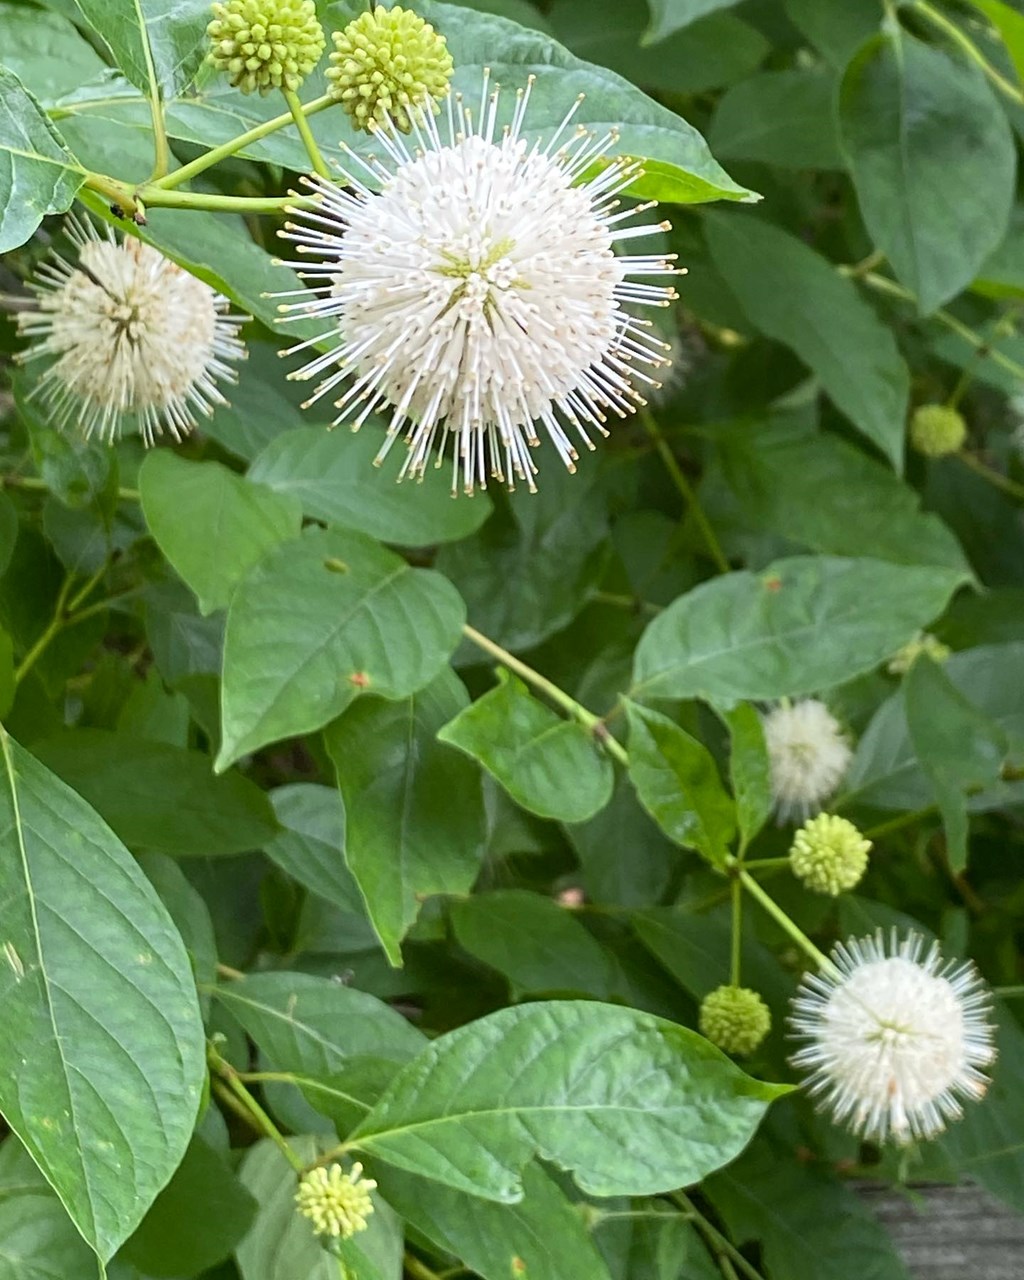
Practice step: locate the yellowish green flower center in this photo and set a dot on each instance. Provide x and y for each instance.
(936, 430)
(337, 1203)
(829, 855)
(735, 1019)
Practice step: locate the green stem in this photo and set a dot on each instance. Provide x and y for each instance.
(993, 477)
(1009, 993)
(766, 864)
(33, 484)
(719, 1245)
(209, 158)
(418, 1270)
(882, 284)
(306, 133)
(898, 823)
(968, 46)
(686, 490)
(133, 200)
(783, 921)
(51, 631)
(260, 1120)
(161, 147)
(736, 952)
(593, 724)
(632, 603)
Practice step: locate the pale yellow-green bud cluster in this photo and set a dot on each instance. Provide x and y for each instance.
(265, 44)
(936, 430)
(386, 64)
(924, 643)
(829, 855)
(735, 1019)
(337, 1203)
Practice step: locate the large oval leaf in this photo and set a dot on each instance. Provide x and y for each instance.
(799, 626)
(102, 1056)
(158, 44)
(320, 620)
(933, 160)
(633, 1104)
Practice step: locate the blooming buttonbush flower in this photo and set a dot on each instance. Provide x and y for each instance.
(808, 753)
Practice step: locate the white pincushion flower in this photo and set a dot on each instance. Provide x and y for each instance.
(894, 1036)
(133, 334)
(478, 293)
(808, 754)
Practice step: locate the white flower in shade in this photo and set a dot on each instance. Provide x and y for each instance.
(808, 753)
(478, 293)
(133, 334)
(894, 1036)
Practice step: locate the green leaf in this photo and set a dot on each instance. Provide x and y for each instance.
(638, 880)
(837, 31)
(46, 51)
(40, 1240)
(750, 770)
(960, 748)
(304, 636)
(189, 912)
(241, 519)
(206, 1198)
(160, 797)
(801, 625)
(8, 531)
(551, 766)
(528, 572)
(807, 1222)
(102, 1059)
(38, 174)
(281, 1244)
(311, 844)
(833, 330)
(541, 947)
(543, 1237)
(343, 1044)
(332, 476)
(678, 784)
(161, 41)
(933, 161)
(782, 118)
(1010, 25)
(670, 16)
(825, 494)
(631, 1103)
(414, 806)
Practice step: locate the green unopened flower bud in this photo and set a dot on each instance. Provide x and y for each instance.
(923, 643)
(337, 1203)
(936, 430)
(387, 63)
(265, 44)
(829, 854)
(735, 1019)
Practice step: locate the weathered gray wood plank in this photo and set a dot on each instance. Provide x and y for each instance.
(952, 1233)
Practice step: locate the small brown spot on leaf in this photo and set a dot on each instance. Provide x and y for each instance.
(360, 679)
(518, 1266)
(335, 565)
(773, 583)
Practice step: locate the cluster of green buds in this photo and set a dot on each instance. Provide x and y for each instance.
(386, 65)
(936, 430)
(735, 1019)
(829, 855)
(924, 644)
(338, 1204)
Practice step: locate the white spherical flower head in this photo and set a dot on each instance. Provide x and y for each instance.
(479, 293)
(894, 1036)
(808, 753)
(133, 334)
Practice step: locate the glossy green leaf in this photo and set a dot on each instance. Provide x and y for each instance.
(311, 843)
(38, 174)
(960, 749)
(161, 797)
(630, 1103)
(332, 476)
(750, 771)
(158, 42)
(541, 947)
(678, 783)
(807, 1221)
(281, 1244)
(40, 1240)
(779, 117)
(544, 1236)
(669, 16)
(529, 570)
(826, 495)
(304, 636)
(102, 1059)
(187, 909)
(46, 51)
(831, 328)
(551, 766)
(414, 807)
(204, 1194)
(801, 625)
(242, 520)
(933, 161)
